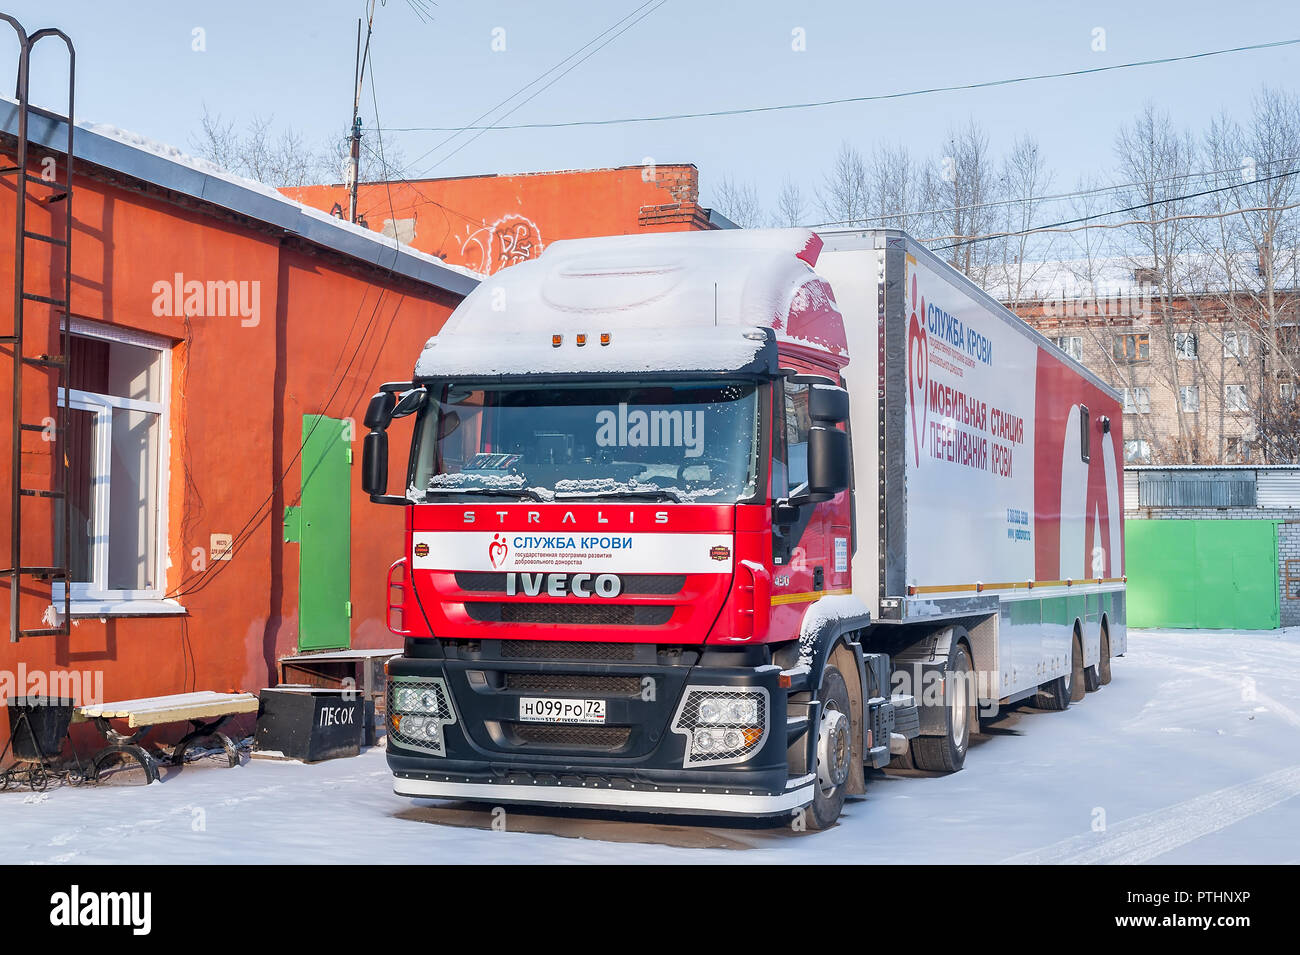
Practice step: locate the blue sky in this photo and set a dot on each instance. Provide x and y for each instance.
(294, 60)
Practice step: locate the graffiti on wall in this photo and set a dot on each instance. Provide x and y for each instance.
(511, 239)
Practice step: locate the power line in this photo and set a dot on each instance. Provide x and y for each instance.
(970, 240)
(877, 97)
(457, 130)
(1078, 193)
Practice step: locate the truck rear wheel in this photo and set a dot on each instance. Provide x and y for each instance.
(1103, 665)
(835, 751)
(1056, 695)
(947, 753)
(1078, 676)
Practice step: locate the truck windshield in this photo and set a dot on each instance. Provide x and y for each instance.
(672, 441)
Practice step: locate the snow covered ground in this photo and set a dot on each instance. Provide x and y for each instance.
(1189, 756)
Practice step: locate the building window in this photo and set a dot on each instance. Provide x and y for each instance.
(1137, 400)
(1238, 451)
(1236, 344)
(117, 459)
(1189, 397)
(1072, 345)
(1136, 451)
(1234, 398)
(1286, 392)
(1185, 345)
(1133, 348)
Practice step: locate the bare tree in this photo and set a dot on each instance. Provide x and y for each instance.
(739, 202)
(259, 152)
(843, 195)
(1157, 160)
(1025, 180)
(968, 186)
(1248, 246)
(790, 207)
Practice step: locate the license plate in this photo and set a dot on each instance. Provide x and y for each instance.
(541, 709)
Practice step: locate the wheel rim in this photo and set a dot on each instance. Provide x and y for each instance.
(833, 749)
(960, 707)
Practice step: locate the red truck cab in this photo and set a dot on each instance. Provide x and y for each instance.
(629, 484)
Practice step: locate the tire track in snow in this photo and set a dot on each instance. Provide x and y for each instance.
(1152, 834)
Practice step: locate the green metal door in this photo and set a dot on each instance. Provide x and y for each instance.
(1219, 575)
(324, 532)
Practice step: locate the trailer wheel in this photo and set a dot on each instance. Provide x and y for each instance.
(947, 753)
(1103, 665)
(1078, 675)
(835, 751)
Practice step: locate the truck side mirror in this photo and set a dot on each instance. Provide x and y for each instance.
(828, 461)
(410, 402)
(374, 463)
(380, 410)
(828, 404)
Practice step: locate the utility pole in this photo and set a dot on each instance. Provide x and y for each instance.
(354, 154)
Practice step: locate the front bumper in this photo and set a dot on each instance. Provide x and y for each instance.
(634, 762)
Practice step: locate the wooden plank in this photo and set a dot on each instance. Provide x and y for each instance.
(151, 711)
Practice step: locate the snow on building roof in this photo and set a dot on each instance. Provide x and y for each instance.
(670, 301)
(168, 167)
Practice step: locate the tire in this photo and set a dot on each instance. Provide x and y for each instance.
(1078, 679)
(828, 799)
(947, 753)
(1056, 695)
(1103, 665)
(1092, 677)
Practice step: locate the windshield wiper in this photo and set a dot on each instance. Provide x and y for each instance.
(515, 492)
(650, 494)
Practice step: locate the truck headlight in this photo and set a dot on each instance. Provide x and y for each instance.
(722, 724)
(418, 709)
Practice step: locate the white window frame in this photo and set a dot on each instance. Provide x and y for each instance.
(1233, 406)
(1138, 443)
(1181, 341)
(1071, 345)
(1131, 403)
(1240, 344)
(92, 598)
(1183, 392)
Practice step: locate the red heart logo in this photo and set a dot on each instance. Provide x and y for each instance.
(497, 551)
(918, 370)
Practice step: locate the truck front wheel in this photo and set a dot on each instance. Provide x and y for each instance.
(835, 751)
(947, 753)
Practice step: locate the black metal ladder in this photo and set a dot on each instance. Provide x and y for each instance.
(46, 190)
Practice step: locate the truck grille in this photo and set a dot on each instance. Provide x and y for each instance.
(573, 614)
(640, 584)
(568, 650)
(599, 683)
(570, 737)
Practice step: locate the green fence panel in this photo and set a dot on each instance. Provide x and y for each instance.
(1218, 575)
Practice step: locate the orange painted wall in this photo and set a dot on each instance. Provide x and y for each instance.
(328, 331)
(487, 222)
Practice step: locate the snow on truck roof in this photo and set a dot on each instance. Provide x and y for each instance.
(681, 301)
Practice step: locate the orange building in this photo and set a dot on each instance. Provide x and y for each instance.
(223, 340)
(488, 222)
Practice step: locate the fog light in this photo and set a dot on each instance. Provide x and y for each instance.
(722, 724)
(722, 710)
(418, 709)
